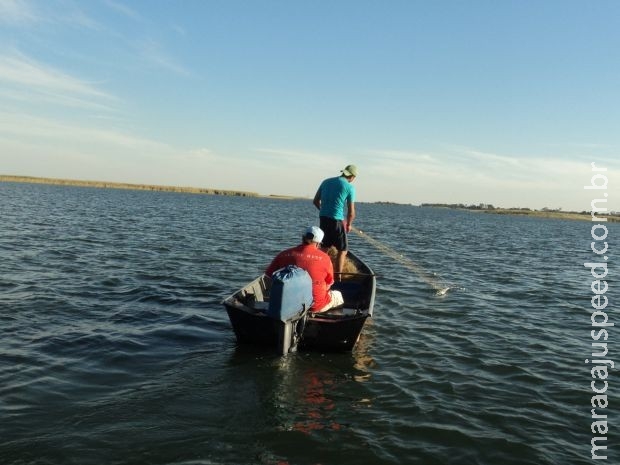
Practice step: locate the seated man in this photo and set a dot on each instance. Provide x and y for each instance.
(317, 263)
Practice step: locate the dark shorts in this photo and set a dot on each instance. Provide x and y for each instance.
(334, 233)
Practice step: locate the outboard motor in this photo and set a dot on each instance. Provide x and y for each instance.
(289, 300)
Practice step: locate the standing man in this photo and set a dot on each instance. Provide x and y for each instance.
(331, 198)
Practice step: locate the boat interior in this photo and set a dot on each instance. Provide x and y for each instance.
(356, 289)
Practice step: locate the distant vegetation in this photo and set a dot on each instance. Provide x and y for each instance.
(462, 206)
(120, 185)
(542, 213)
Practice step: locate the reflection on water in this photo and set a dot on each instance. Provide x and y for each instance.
(363, 361)
(307, 402)
(311, 395)
(315, 402)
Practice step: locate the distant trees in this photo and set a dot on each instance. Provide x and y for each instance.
(480, 206)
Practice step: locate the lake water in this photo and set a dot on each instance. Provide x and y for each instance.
(115, 348)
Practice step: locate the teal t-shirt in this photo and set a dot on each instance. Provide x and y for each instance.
(335, 193)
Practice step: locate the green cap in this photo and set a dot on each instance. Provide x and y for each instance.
(350, 170)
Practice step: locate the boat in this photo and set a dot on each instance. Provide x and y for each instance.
(254, 321)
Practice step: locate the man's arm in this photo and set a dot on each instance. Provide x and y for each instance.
(329, 272)
(317, 199)
(350, 214)
(273, 266)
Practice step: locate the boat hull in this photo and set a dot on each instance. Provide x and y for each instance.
(322, 334)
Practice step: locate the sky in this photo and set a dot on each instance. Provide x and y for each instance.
(497, 102)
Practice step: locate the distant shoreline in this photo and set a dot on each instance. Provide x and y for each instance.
(552, 214)
(579, 216)
(129, 186)
(582, 216)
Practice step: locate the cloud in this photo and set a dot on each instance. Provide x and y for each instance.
(42, 97)
(298, 157)
(201, 154)
(44, 147)
(16, 12)
(314, 164)
(23, 13)
(38, 129)
(25, 79)
(124, 10)
(466, 175)
(584, 145)
(38, 146)
(468, 165)
(152, 52)
(180, 30)
(401, 163)
(486, 158)
(76, 17)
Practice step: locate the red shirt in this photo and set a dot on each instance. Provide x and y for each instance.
(318, 265)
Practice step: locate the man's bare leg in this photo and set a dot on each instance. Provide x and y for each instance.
(340, 259)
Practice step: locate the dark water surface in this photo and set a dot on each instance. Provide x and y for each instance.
(115, 349)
